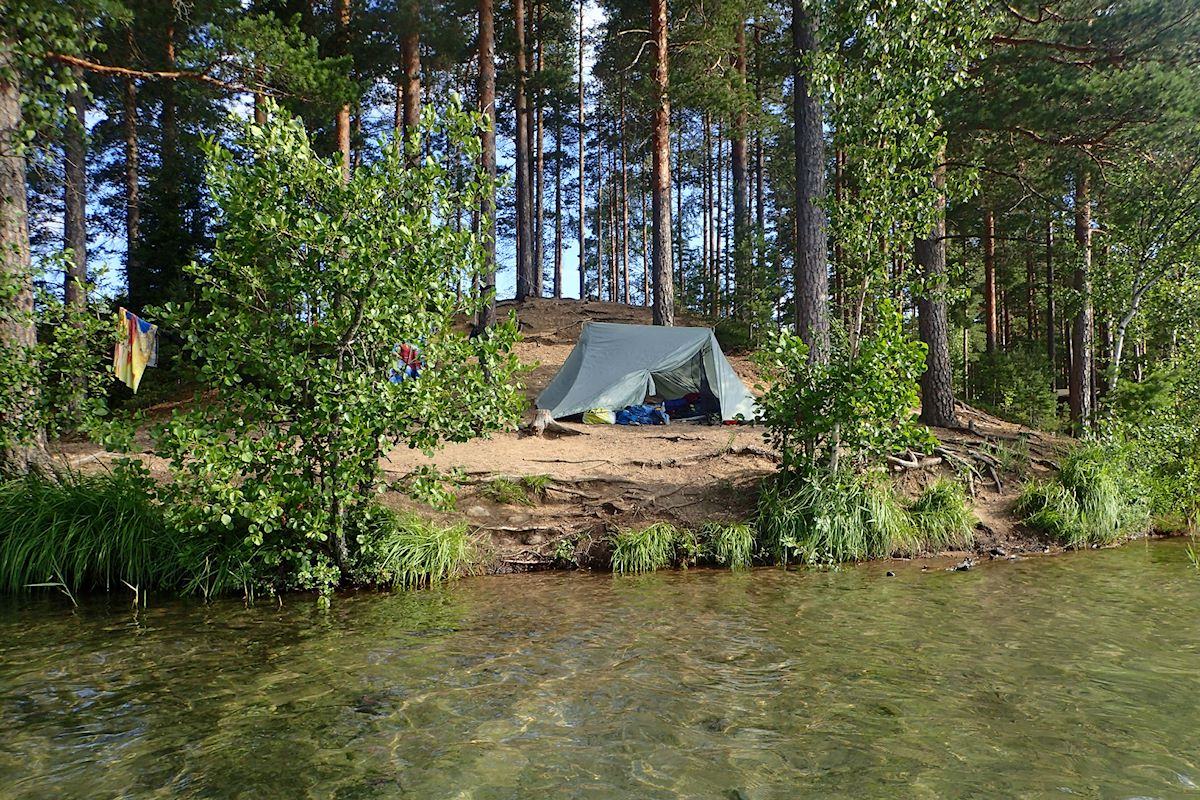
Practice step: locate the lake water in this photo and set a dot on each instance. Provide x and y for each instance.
(1071, 676)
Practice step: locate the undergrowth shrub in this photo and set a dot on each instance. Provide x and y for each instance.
(1015, 385)
(1094, 499)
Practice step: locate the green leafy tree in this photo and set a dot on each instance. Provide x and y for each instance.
(312, 286)
(859, 404)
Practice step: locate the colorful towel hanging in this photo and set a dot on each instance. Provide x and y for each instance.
(136, 348)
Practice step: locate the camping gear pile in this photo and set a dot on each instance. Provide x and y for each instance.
(646, 375)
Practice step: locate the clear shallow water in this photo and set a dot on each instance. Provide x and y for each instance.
(1073, 676)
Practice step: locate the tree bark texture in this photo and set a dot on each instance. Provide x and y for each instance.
(539, 171)
(525, 278)
(75, 196)
(342, 120)
(741, 189)
(989, 280)
(937, 382)
(812, 272)
(558, 211)
(1081, 326)
(660, 188)
(487, 104)
(582, 181)
(18, 334)
(132, 173)
(1051, 322)
(410, 56)
(624, 202)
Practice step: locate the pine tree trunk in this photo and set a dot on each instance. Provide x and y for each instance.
(582, 182)
(342, 120)
(989, 280)
(614, 239)
(624, 199)
(663, 286)
(75, 196)
(741, 192)
(410, 55)
(539, 182)
(645, 248)
(525, 286)
(18, 334)
(680, 273)
(937, 382)
(558, 209)
(722, 269)
(1051, 322)
(706, 221)
(132, 170)
(487, 104)
(1031, 323)
(1081, 328)
(600, 233)
(812, 278)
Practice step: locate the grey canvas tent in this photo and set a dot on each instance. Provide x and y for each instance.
(613, 366)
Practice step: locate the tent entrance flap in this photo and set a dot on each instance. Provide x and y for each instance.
(615, 365)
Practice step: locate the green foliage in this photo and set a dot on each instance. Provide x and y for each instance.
(645, 549)
(1158, 422)
(1015, 385)
(1095, 499)
(432, 487)
(85, 532)
(832, 518)
(313, 284)
(859, 403)
(61, 383)
(942, 518)
(729, 545)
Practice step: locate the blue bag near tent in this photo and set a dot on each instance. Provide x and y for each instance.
(644, 414)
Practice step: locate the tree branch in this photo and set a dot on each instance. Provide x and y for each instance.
(169, 75)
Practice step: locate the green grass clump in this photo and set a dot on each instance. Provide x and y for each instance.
(832, 519)
(1092, 500)
(83, 532)
(942, 519)
(414, 552)
(522, 491)
(729, 545)
(637, 550)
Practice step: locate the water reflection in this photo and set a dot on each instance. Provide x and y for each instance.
(1072, 676)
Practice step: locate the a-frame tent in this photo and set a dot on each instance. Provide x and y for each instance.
(615, 365)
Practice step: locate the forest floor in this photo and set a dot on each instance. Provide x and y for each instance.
(611, 476)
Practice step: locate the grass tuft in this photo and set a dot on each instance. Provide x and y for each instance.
(83, 532)
(942, 519)
(1091, 501)
(522, 491)
(638, 550)
(835, 518)
(729, 545)
(415, 553)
